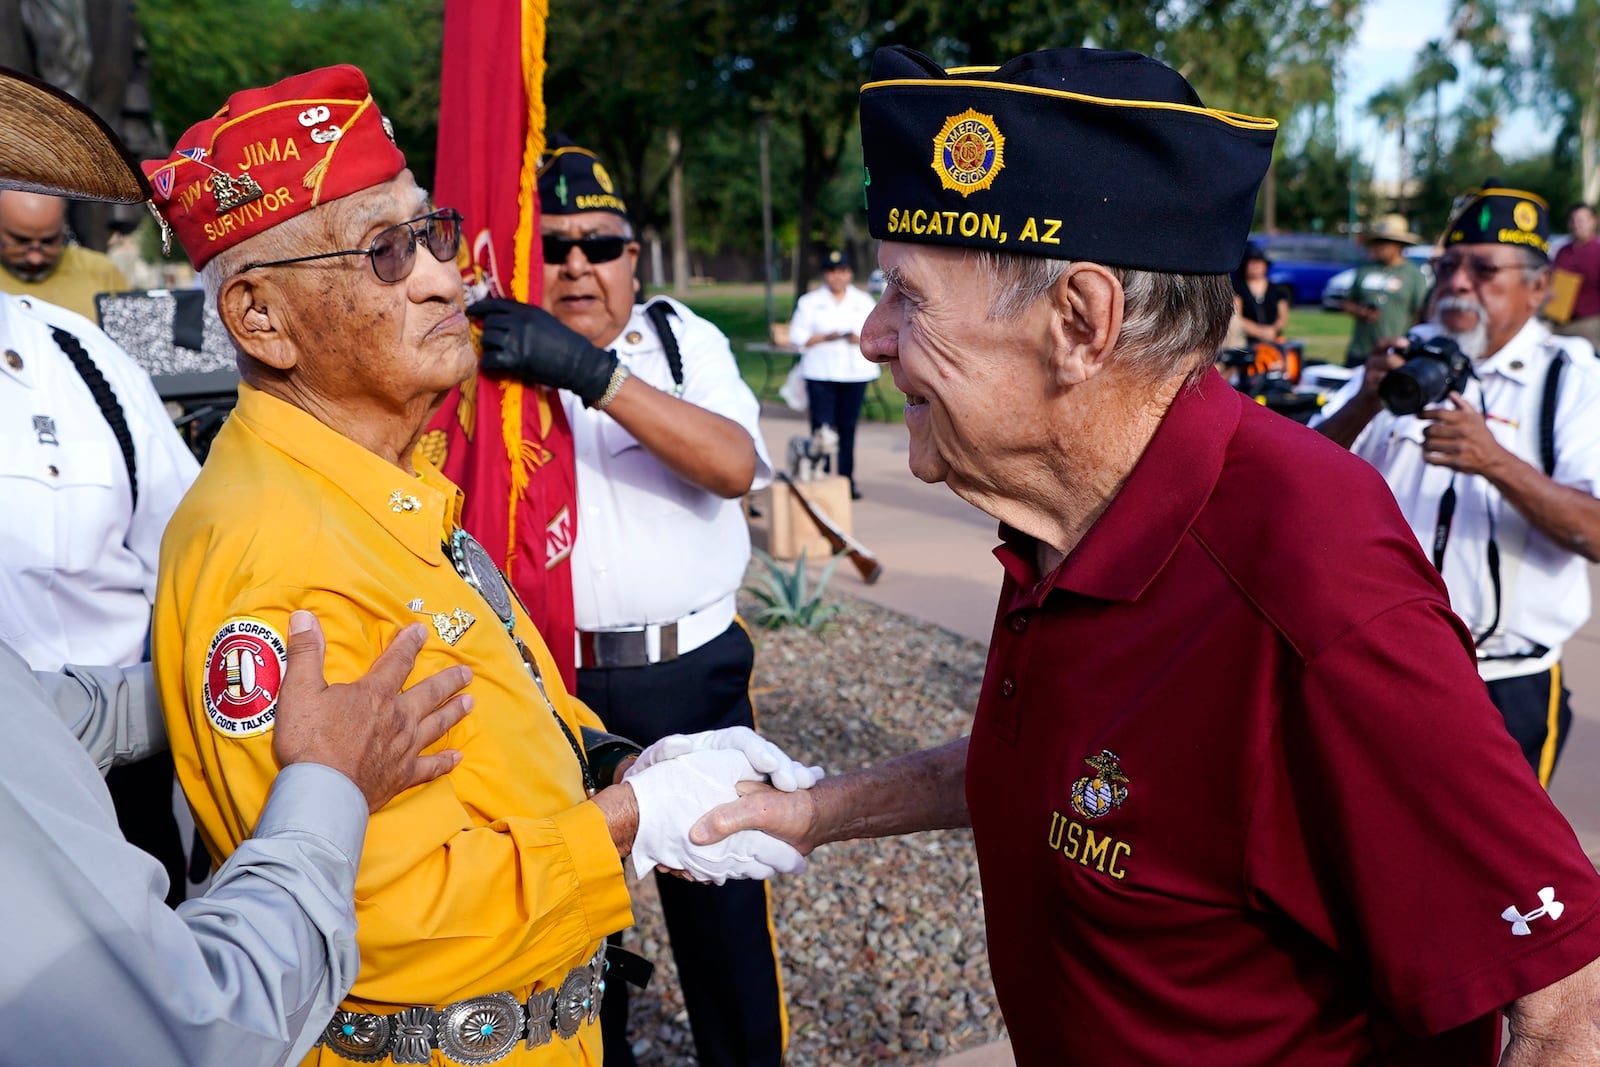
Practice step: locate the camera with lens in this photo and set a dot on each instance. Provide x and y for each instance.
(1434, 368)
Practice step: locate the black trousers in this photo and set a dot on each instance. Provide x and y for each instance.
(142, 794)
(839, 405)
(722, 937)
(1537, 715)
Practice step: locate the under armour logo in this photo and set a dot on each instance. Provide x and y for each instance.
(1548, 905)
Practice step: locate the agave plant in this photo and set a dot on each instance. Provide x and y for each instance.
(790, 598)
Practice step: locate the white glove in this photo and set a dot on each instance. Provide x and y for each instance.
(767, 758)
(673, 795)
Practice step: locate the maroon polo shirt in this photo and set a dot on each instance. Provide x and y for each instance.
(1238, 794)
(1583, 259)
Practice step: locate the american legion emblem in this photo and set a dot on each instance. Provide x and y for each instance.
(244, 673)
(968, 152)
(1095, 795)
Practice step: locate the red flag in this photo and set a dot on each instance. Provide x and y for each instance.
(508, 446)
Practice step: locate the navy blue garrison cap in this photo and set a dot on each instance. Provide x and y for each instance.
(1069, 153)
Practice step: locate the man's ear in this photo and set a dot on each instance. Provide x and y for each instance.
(253, 311)
(1086, 302)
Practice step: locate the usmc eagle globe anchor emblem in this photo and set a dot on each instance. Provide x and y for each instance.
(1095, 795)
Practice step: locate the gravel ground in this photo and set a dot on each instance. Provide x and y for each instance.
(882, 943)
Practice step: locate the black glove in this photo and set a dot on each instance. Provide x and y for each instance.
(527, 342)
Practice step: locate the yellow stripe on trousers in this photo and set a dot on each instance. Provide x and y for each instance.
(766, 889)
(1552, 728)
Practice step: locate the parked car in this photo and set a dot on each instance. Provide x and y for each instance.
(1338, 287)
(1305, 261)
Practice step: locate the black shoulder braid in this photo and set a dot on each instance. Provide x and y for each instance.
(110, 409)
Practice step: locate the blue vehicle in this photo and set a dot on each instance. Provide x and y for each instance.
(1304, 262)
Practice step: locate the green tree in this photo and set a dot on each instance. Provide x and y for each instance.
(201, 51)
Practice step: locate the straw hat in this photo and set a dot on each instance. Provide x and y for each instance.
(51, 143)
(1391, 228)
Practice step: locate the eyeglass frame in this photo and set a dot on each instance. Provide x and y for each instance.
(1481, 270)
(418, 233)
(36, 244)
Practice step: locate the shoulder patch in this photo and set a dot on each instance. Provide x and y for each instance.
(244, 672)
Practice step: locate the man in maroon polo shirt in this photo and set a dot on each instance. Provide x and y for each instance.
(1236, 789)
(1581, 256)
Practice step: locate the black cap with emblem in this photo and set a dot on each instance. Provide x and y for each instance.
(1070, 153)
(572, 179)
(1494, 215)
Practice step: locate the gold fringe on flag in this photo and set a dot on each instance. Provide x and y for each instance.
(522, 454)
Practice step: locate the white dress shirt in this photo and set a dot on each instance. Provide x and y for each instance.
(77, 560)
(652, 547)
(97, 969)
(816, 314)
(1544, 588)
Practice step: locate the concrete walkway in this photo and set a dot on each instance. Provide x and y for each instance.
(938, 567)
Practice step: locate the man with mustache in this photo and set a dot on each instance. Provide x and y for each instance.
(1497, 480)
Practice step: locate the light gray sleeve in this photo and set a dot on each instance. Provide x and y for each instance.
(276, 932)
(112, 711)
(96, 967)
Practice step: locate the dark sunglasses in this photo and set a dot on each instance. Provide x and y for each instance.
(1482, 270)
(602, 249)
(393, 251)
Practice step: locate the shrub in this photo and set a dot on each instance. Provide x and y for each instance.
(790, 598)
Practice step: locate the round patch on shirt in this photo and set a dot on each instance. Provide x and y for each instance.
(244, 671)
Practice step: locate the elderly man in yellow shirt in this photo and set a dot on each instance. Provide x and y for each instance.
(483, 899)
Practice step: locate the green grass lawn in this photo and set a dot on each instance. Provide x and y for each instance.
(1326, 333)
(740, 312)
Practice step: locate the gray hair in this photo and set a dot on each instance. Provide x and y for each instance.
(279, 242)
(1534, 264)
(1171, 323)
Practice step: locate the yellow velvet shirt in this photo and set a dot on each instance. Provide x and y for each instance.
(498, 877)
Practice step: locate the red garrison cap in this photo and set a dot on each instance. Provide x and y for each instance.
(271, 154)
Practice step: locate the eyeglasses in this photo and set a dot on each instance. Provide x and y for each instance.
(35, 244)
(1482, 270)
(600, 249)
(394, 251)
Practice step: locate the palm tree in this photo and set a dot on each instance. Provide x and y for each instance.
(1390, 107)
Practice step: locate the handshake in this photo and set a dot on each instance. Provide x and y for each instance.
(680, 778)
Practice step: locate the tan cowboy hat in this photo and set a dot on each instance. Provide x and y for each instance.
(1391, 228)
(51, 143)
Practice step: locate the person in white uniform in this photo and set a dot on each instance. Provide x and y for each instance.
(1497, 476)
(85, 506)
(95, 966)
(91, 469)
(667, 443)
(826, 327)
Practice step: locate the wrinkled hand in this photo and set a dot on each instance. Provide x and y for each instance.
(764, 756)
(671, 795)
(1459, 438)
(790, 817)
(527, 342)
(369, 730)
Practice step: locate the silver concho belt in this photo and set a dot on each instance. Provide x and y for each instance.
(474, 1031)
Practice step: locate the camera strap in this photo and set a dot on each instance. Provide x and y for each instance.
(1547, 460)
(1441, 527)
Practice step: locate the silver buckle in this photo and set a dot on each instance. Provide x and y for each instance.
(481, 1030)
(626, 648)
(563, 1011)
(475, 1031)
